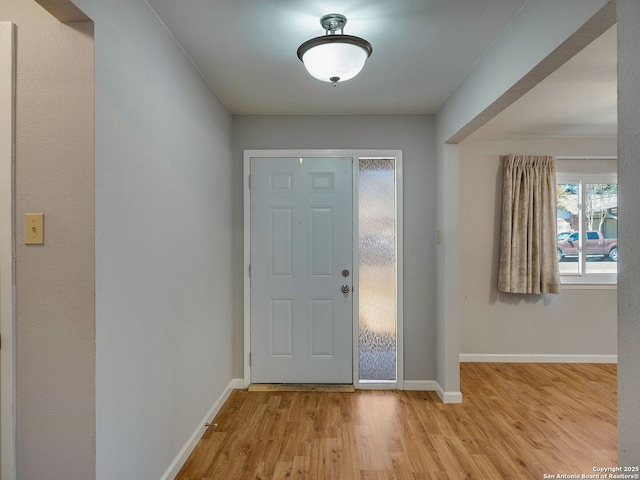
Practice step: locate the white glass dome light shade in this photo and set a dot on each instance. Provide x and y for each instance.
(334, 58)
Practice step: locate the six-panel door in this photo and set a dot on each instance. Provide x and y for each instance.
(301, 243)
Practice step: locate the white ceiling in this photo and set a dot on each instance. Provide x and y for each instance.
(422, 50)
(577, 100)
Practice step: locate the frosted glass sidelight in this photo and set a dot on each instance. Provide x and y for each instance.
(377, 257)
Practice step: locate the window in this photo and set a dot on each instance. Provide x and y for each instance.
(378, 264)
(587, 226)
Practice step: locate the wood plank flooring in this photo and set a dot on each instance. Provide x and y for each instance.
(518, 421)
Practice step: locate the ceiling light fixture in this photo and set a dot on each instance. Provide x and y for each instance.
(334, 57)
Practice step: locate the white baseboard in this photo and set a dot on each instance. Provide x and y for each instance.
(449, 397)
(421, 385)
(237, 384)
(188, 447)
(537, 358)
(433, 386)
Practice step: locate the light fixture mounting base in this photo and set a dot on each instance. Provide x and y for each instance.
(333, 21)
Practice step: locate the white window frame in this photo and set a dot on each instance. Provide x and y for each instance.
(582, 279)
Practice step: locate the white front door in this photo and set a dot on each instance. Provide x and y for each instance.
(301, 260)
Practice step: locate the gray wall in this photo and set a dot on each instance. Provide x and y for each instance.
(629, 234)
(413, 134)
(580, 322)
(55, 349)
(163, 192)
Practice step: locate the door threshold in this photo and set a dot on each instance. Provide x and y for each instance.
(300, 387)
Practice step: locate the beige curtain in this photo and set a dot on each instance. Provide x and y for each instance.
(528, 262)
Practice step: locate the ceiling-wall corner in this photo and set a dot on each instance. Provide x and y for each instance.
(64, 10)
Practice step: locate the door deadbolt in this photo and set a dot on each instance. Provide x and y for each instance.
(345, 273)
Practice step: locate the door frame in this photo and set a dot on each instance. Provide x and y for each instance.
(7, 251)
(355, 154)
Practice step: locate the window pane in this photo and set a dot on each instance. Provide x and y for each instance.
(601, 226)
(377, 226)
(568, 223)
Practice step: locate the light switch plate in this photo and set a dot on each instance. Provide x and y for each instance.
(34, 228)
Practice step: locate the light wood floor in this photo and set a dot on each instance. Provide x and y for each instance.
(518, 421)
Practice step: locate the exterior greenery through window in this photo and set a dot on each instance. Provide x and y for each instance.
(587, 227)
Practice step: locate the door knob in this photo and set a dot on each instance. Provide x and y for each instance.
(345, 289)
